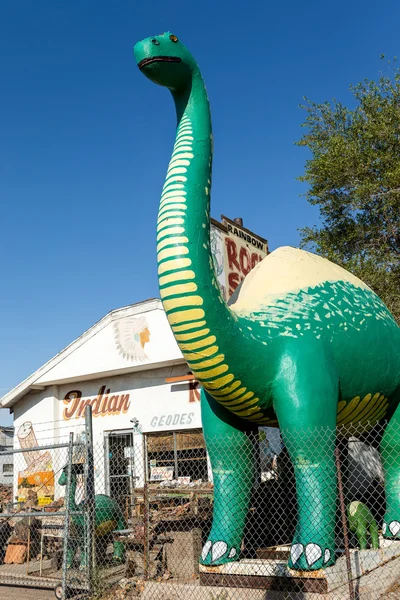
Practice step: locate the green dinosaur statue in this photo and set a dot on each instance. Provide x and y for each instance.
(362, 524)
(108, 517)
(304, 343)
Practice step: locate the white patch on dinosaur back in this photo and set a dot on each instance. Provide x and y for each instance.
(218, 550)
(288, 270)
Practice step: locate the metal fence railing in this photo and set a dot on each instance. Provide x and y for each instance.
(248, 517)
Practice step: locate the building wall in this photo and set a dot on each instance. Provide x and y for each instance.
(6, 462)
(48, 416)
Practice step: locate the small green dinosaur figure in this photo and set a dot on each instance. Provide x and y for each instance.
(304, 342)
(362, 524)
(108, 517)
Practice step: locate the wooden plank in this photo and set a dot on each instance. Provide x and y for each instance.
(281, 584)
(180, 378)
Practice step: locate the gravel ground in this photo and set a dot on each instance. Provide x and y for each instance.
(20, 593)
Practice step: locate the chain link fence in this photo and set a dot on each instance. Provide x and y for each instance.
(160, 517)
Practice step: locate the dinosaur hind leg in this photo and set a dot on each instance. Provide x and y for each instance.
(390, 453)
(231, 453)
(305, 400)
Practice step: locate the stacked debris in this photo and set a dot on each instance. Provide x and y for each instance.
(6, 492)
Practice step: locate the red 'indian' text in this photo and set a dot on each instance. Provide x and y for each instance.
(102, 405)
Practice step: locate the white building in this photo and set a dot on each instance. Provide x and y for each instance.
(130, 369)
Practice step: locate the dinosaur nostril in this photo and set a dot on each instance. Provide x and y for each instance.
(155, 42)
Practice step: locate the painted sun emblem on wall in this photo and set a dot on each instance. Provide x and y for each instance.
(131, 336)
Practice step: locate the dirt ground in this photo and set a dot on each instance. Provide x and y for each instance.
(20, 593)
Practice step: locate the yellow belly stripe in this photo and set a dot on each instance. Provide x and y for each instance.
(247, 412)
(211, 372)
(172, 193)
(200, 344)
(363, 412)
(171, 265)
(168, 222)
(382, 404)
(185, 301)
(349, 409)
(211, 362)
(173, 251)
(189, 326)
(237, 401)
(170, 231)
(175, 206)
(186, 315)
(179, 239)
(219, 383)
(341, 405)
(179, 276)
(203, 353)
(228, 389)
(169, 216)
(353, 416)
(234, 395)
(183, 337)
(179, 289)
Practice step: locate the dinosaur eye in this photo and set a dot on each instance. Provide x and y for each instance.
(173, 38)
(155, 42)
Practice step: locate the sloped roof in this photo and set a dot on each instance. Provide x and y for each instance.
(72, 363)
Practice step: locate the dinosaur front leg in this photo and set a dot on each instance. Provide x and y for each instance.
(390, 452)
(232, 459)
(305, 400)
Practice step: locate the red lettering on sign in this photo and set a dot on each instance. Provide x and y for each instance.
(232, 254)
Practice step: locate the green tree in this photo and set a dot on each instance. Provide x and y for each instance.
(353, 176)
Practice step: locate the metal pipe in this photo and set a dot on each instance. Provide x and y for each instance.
(36, 448)
(344, 524)
(90, 502)
(67, 515)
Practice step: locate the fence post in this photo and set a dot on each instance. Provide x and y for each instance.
(89, 499)
(344, 523)
(67, 516)
(146, 515)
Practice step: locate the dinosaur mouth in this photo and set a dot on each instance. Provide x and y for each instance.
(153, 59)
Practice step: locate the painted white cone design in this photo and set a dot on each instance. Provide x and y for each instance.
(218, 550)
(394, 527)
(232, 553)
(206, 550)
(327, 555)
(313, 553)
(296, 551)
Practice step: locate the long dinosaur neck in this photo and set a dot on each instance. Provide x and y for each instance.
(195, 307)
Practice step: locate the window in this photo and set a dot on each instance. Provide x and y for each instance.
(184, 452)
(8, 468)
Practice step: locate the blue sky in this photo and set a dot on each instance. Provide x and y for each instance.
(85, 140)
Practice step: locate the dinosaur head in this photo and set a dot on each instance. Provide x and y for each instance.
(166, 61)
(76, 469)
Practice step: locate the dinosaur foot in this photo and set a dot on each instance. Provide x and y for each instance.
(310, 557)
(391, 530)
(218, 553)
